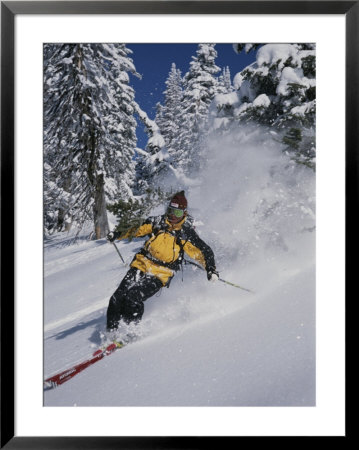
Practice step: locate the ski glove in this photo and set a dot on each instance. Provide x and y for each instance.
(111, 237)
(212, 274)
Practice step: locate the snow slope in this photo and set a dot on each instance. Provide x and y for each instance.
(201, 343)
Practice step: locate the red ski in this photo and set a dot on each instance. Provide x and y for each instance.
(67, 374)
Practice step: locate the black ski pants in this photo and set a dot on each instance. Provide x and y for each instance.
(126, 303)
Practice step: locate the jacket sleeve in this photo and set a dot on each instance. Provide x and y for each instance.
(199, 250)
(143, 230)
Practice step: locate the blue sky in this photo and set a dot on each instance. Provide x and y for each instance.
(153, 62)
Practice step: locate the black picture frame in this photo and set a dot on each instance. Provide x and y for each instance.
(9, 9)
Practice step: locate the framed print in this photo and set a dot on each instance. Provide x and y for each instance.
(149, 148)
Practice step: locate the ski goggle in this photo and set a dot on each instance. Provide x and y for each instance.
(175, 212)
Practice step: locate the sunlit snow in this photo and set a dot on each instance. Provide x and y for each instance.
(201, 343)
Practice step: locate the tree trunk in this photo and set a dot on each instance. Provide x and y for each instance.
(99, 209)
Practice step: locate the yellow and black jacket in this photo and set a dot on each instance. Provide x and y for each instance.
(163, 251)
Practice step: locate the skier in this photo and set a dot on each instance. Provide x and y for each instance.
(153, 267)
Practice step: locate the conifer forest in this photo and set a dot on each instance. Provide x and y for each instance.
(93, 165)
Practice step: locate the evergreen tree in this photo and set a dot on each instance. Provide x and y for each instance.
(224, 82)
(89, 129)
(238, 48)
(119, 138)
(154, 160)
(200, 87)
(56, 202)
(167, 117)
(277, 92)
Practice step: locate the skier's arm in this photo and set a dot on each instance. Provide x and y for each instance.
(200, 251)
(143, 230)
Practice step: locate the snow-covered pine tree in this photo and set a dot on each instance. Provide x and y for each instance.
(277, 92)
(224, 82)
(89, 128)
(238, 48)
(167, 117)
(280, 92)
(154, 160)
(117, 148)
(220, 111)
(200, 87)
(56, 199)
(56, 202)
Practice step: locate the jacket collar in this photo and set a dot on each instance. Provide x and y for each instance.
(176, 226)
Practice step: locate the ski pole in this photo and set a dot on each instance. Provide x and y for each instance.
(235, 285)
(220, 279)
(118, 251)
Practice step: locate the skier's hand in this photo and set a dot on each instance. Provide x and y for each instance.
(212, 275)
(111, 237)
